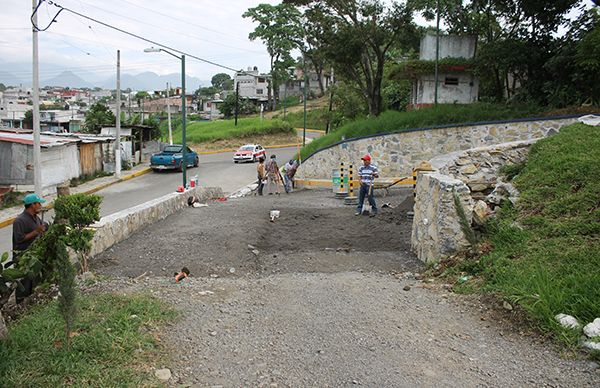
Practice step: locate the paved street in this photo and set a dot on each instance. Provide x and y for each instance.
(215, 170)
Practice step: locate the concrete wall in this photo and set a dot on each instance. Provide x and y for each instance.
(119, 226)
(396, 154)
(451, 46)
(472, 174)
(466, 92)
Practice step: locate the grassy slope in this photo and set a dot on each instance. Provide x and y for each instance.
(546, 251)
(205, 131)
(114, 346)
(392, 121)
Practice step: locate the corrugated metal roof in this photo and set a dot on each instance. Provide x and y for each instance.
(27, 138)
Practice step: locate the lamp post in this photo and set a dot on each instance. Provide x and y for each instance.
(183, 135)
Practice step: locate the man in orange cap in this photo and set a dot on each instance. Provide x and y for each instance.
(367, 173)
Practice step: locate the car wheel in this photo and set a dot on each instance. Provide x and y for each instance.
(254, 159)
(235, 161)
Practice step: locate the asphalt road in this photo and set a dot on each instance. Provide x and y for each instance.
(217, 170)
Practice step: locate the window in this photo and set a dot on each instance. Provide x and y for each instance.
(451, 81)
(259, 91)
(261, 80)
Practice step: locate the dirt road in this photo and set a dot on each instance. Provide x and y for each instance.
(319, 297)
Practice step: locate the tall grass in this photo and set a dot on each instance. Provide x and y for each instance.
(113, 345)
(393, 121)
(546, 252)
(315, 118)
(207, 131)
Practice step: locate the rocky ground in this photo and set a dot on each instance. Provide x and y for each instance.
(319, 297)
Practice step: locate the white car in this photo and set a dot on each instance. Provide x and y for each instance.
(249, 153)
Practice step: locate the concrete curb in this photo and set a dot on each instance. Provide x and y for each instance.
(235, 149)
(9, 221)
(356, 183)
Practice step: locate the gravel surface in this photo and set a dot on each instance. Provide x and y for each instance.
(325, 299)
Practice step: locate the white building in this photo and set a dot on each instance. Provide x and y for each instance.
(253, 85)
(456, 83)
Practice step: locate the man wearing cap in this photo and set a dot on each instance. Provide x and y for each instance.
(26, 229)
(367, 173)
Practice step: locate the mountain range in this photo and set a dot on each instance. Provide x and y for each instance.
(143, 81)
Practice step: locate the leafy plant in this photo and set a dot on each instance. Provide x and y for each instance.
(47, 258)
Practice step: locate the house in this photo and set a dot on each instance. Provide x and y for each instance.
(252, 84)
(294, 86)
(60, 160)
(457, 84)
(137, 144)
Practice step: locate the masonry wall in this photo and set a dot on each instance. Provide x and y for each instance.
(119, 226)
(396, 154)
(471, 174)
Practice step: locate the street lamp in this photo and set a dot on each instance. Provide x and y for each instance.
(183, 135)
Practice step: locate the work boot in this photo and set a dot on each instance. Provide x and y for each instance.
(357, 213)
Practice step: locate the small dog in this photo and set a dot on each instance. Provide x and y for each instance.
(273, 214)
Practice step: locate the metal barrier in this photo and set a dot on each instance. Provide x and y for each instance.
(342, 192)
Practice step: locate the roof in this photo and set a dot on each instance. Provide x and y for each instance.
(45, 140)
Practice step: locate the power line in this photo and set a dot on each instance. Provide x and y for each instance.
(61, 9)
(163, 28)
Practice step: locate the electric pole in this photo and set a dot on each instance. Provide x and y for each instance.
(37, 150)
(169, 116)
(118, 119)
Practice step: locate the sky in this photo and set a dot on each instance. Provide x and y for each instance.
(210, 30)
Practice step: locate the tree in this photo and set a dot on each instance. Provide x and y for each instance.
(28, 120)
(356, 36)
(222, 81)
(244, 105)
(278, 28)
(97, 116)
(2, 87)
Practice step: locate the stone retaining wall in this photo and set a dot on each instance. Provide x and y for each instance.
(119, 226)
(473, 174)
(396, 154)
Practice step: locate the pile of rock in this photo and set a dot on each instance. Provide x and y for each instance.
(591, 331)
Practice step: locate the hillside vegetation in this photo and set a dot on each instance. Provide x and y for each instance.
(210, 131)
(394, 121)
(545, 251)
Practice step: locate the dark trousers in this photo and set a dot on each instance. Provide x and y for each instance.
(364, 192)
(261, 185)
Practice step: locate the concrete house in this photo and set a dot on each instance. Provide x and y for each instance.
(253, 85)
(456, 83)
(60, 160)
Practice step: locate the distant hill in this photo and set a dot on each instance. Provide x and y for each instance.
(9, 79)
(66, 78)
(77, 79)
(152, 81)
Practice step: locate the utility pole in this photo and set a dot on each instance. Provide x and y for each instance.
(437, 52)
(237, 101)
(305, 94)
(37, 150)
(169, 116)
(183, 140)
(118, 119)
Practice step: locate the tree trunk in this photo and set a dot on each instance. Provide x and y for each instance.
(3, 328)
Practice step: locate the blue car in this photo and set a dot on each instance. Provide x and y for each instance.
(171, 158)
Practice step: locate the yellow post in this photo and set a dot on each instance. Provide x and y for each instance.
(350, 181)
(414, 177)
(342, 177)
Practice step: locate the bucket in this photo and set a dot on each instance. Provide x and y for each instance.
(335, 180)
(192, 183)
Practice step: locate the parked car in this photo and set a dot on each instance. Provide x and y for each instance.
(171, 158)
(249, 153)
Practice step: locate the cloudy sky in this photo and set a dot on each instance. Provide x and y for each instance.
(213, 30)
